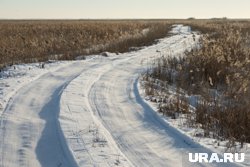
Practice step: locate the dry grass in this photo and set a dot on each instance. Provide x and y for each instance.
(219, 72)
(31, 41)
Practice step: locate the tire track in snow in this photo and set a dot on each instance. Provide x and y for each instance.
(141, 135)
(77, 120)
(115, 107)
(31, 136)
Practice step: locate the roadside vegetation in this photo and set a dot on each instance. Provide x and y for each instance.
(214, 77)
(36, 41)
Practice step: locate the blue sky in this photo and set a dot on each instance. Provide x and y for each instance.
(77, 9)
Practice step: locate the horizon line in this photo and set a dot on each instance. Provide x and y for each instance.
(194, 18)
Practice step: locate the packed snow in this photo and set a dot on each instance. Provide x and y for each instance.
(90, 112)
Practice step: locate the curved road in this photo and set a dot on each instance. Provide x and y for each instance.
(31, 134)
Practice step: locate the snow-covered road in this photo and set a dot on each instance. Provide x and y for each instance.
(29, 127)
(90, 113)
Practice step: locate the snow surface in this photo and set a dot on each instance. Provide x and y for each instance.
(90, 113)
(15, 77)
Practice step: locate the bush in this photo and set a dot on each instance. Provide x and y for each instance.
(218, 71)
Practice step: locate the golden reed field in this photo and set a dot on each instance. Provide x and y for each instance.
(32, 41)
